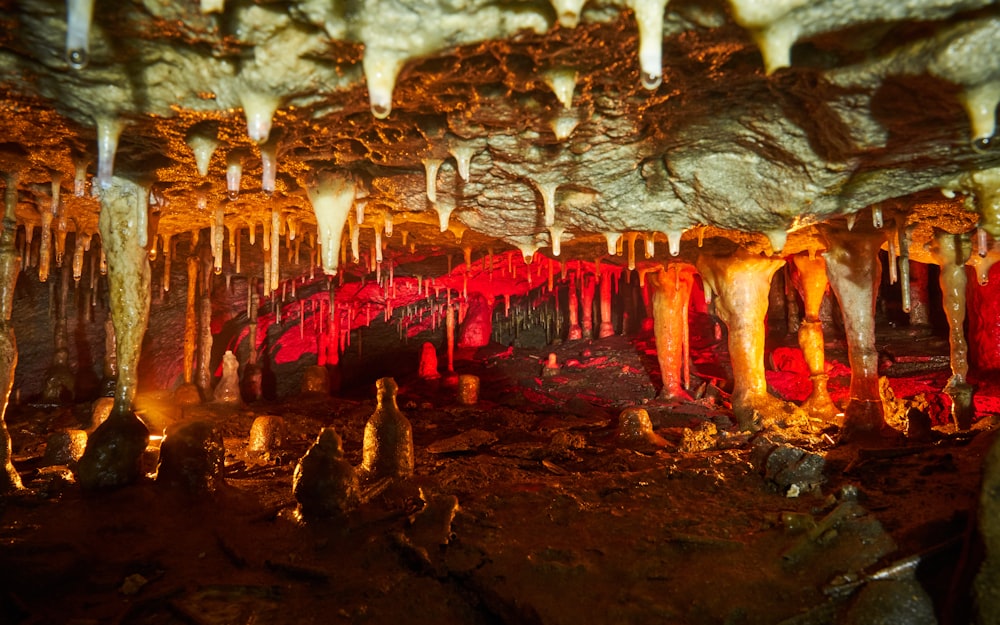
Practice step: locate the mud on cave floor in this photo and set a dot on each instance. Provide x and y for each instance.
(557, 523)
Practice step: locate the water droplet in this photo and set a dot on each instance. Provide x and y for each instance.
(234, 195)
(982, 144)
(651, 81)
(77, 58)
(380, 111)
(267, 192)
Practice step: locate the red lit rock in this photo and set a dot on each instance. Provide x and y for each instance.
(984, 322)
(477, 326)
(428, 368)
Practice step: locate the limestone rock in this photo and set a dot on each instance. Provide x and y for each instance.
(266, 434)
(64, 447)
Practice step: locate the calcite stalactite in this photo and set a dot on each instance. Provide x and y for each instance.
(114, 450)
(671, 295)
(9, 268)
(953, 251)
(812, 285)
(742, 281)
(853, 267)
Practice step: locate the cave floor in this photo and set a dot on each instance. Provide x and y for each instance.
(557, 520)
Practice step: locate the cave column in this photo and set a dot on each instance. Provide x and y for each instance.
(9, 268)
(812, 285)
(742, 282)
(587, 291)
(203, 373)
(953, 252)
(575, 332)
(671, 295)
(607, 328)
(919, 295)
(114, 450)
(187, 393)
(854, 270)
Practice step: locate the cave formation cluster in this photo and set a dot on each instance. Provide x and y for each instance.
(344, 150)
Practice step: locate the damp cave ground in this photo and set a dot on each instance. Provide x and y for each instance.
(557, 523)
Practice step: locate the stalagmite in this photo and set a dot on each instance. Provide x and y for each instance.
(387, 448)
(259, 108)
(431, 167)
(575, 331)
(671, 295)
(953, 252)
(116, 446)
(741, 282)
(9, 268)
(854, 270)
(234, 172)
(812, 285)
(79, 14)
(331, 196)
(109, 129)
(649, 17)
(562, 81)
(203, 142)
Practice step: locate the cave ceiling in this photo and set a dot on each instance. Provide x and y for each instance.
(468, 123)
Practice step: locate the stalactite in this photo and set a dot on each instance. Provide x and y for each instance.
(234, 172)
(953, 252)
(431, 166)
(82, 244)
(742, 282)
(109, 129)
(275, 249)
(269, 165)
(450, 335)
(671, 295)
(203, 141)
(45, 246)
(904, 268)
(217, 235)
(79, 14)
(80, 163)
(812, 285)
(115, 448)
(854, 270)
(630, 249)
(332, 196)
(547, 189)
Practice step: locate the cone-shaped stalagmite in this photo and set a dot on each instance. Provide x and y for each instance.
(812, 283)
(671, 293)
(116, 446)
(853, 266)
(388, 442)
(742, 281)
(324, 483)
(9, 267)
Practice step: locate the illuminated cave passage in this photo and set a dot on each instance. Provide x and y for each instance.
(492, 313)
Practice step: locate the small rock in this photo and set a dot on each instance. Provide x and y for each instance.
(635, 428)
(192, 456)
(791, 469)
(266, 434)
(315, 380)
(64, 447)
(701, 439)
(324, 483)
(114, 453)
(466, 441)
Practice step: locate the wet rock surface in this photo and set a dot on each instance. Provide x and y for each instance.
(553, 521)
(192, 457)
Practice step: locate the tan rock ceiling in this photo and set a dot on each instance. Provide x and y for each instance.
(884, 103)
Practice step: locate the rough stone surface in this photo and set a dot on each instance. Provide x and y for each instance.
(324, 483)
(787, 467)
(266, 434)
(192, 456)
(892, 602)
(64, 447)
(114, 452)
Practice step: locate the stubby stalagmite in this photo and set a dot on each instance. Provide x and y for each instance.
(388, 440)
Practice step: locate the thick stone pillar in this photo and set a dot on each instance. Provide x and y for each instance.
(742, 282)
(606, 328)
(587, 297)
(953, 251)
(115, 448)
(671, 294)
(812, 285)
(575, 331)
(9, 268)
(854, 270)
